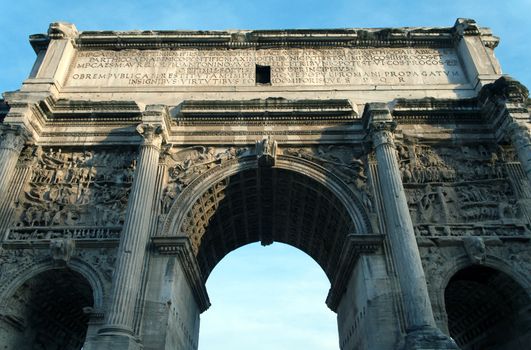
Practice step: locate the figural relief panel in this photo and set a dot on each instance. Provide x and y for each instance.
(79, 194)
(462, 191)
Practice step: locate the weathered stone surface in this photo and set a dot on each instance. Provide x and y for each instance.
(131, 163)
(288, 67)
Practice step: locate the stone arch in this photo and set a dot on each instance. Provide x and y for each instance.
(93, 277)
(492, 261)
(345, 198)
(48, 306)
(485, 304)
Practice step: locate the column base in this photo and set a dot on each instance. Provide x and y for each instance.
(428, 338)
(111, 329)
(112, 342)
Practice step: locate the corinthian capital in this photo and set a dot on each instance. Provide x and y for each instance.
(380, 124)
(151, 133)
(382, 137)
(13, 137)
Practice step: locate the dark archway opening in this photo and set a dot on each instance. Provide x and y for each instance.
(268, 205)
(47, 312)
(487, 309)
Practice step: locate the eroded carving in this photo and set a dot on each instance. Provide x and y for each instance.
(102, 260)
(82, 188)
(343, 161)
(13, 137)
(475, 249)
(425, 164)
(76, 233)
(62, 249)
(266, 152)
(185, 165)
(449, 187)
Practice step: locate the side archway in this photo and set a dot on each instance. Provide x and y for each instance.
(27, 272)
(487, 309)
(49, 309)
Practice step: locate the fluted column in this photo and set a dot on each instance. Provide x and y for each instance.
(521, 139)
(420, 323)
(13, 138)
(135, 235)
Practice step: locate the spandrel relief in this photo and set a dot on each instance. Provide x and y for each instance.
(74, 188)
(343, 161)
(16, 262)
(184, 165)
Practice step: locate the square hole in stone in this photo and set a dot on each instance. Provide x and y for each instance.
(263, 74)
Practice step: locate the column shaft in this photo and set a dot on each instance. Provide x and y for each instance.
(521, 140)
(11, 143)
(401, 234)
(134, 240)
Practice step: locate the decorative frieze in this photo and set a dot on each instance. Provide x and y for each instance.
(75, 188)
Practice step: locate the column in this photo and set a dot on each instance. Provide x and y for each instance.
(13, 138)
(422, 332)
(521, 139)
(135, 236)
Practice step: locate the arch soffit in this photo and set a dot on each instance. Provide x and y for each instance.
(200, 185)
(93, 278)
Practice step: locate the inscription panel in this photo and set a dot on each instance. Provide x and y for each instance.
(289, 67)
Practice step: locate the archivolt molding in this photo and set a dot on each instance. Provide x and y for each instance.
(191, 193)
(441, 263)
(20, 265)
(210, 177)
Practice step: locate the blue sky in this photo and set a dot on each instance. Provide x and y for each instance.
(256, 291)
(266, 298)
(509, 20)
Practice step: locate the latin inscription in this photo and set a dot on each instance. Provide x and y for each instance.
(289, 67)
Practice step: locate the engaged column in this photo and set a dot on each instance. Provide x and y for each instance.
(135, 235)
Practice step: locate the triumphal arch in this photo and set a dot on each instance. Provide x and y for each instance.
(398, 159)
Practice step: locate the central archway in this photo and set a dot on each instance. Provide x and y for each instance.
(239, 202)
(268, 298)
(266, 205)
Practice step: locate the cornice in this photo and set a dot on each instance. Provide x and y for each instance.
(181, 247)
(388, 37)
(354, 246)
(89, 112)
(436, 111)
(238, 39)
(263, 111)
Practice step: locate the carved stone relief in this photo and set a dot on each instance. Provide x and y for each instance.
(13, 262)
(344, 161)
(449, 188)
(440, 262)
(186, 164)
(74, 188)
